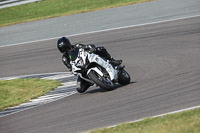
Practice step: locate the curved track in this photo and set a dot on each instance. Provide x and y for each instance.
(162, 59)
(148, 12)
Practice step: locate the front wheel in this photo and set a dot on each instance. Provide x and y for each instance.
(124, 78)
(82, 85)
(101, 81)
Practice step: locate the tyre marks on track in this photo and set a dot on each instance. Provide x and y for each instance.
(68, 88)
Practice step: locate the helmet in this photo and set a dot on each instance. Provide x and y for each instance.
(64, 44)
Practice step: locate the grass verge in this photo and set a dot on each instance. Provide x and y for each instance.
(183, 122)
(15, 92)
(53, 8)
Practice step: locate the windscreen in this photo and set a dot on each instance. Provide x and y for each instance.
(73, 54)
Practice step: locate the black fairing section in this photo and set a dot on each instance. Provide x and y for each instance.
(73, 54)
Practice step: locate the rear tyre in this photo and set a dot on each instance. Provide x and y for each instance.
(124, 78)
(103, 82)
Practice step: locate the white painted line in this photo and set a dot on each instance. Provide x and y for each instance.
(26, 104)
(69, 83)
(15, 3)
(176, 111)
(7, 1)
(173, 112)
(65, 85)
(58, 76)
(68, 89)
(99, 31)
(44, 99)
(10, 1)
(9, 111)
(32, 105)
(22, 76)
(9, 78)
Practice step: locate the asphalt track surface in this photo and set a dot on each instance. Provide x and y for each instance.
(148, 12)
(163, 60)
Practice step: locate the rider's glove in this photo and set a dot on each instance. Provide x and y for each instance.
(66, 62)
(91, 48)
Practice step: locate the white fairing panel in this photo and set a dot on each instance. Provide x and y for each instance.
(81, 60)
(111, 71)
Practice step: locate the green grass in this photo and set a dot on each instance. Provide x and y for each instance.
(183, 122)
(15, 92)
(53, 8)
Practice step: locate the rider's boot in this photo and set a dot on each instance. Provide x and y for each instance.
(103, 53)
(115, 62)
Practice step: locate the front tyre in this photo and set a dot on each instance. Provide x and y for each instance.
(82, 85)
(124, 78)
(103, 82)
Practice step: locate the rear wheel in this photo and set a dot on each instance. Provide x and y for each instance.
(124, 78)
(103, 82)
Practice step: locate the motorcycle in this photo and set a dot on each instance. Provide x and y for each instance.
(97, 70)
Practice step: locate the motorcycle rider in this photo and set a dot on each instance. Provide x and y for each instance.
(65, 46)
